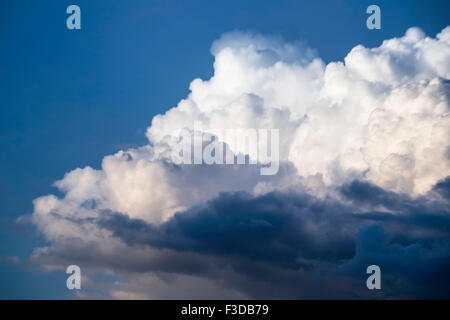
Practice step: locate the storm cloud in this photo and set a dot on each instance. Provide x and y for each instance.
(293, 242)
(363, 179)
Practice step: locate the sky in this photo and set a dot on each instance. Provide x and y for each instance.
(69, 98)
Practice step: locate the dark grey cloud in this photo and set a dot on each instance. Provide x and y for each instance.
(275, 227)
(293, 245)
(443, 187)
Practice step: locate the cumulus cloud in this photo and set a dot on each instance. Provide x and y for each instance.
(293, 242)
(363, 142)
(383, 113)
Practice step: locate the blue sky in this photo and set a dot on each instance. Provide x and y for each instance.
(68, 98)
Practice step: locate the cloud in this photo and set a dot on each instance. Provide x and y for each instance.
(295, 242)
(365, 160)
(383, 113)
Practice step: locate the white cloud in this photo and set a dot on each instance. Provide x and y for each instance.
(381, 115)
